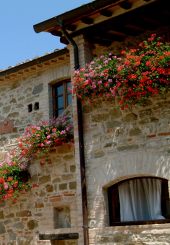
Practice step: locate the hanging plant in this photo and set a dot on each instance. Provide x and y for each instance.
(38, 140)
(145, 72)
(133, 77)
(13, 180)
(97, 78)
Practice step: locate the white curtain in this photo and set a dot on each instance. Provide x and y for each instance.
(140, 199)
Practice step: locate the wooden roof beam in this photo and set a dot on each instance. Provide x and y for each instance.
(151, 21)
(56, 33)
(126, 4)
(117, 33)
(104, 42)
(64, 40)
(106, 39)
(135, 27)
(106, 13)
(33, 68)
(87, 20)
(71, 27)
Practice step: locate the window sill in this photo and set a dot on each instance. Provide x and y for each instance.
(142, 222)
(61, 236)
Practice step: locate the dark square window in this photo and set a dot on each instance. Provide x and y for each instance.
(30, 108)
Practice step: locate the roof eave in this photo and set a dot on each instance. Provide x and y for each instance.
(73, 15)
(33, 62)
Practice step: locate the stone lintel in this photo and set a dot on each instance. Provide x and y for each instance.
(61, 236)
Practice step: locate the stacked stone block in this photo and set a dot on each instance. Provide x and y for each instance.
(53, 187)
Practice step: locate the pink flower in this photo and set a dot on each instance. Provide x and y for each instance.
(93, 85)
(62, 132)
(6, 186)
(54, 130)
(48, 142)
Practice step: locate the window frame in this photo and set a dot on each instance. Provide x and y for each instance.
(114, 214)
(54, 96)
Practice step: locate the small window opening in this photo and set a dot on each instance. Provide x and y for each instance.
(62, 217)
(36, 106)
(30, 108)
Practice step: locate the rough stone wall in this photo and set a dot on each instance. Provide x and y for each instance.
(34, 212)
(131, 235)
(50, 206)
(119, 145)
(15, 97)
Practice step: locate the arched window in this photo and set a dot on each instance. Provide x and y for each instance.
(138, 200)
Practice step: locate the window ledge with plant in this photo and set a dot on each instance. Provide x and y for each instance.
(132, 77)
(36, 142)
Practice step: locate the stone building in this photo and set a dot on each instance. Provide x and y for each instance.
(76, 198)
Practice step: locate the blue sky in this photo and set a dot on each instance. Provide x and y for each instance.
(18, 41)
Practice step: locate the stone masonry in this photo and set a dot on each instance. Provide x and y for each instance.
(54, 189)
(50, 206)
(120, 145)
(17, 95)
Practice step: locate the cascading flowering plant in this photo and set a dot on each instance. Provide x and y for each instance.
(133, 77)
(38, 140)
(35, 142)
(144, 71)
(97, 78)
(13, 180)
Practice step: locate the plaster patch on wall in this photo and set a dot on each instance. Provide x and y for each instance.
(6, 127)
